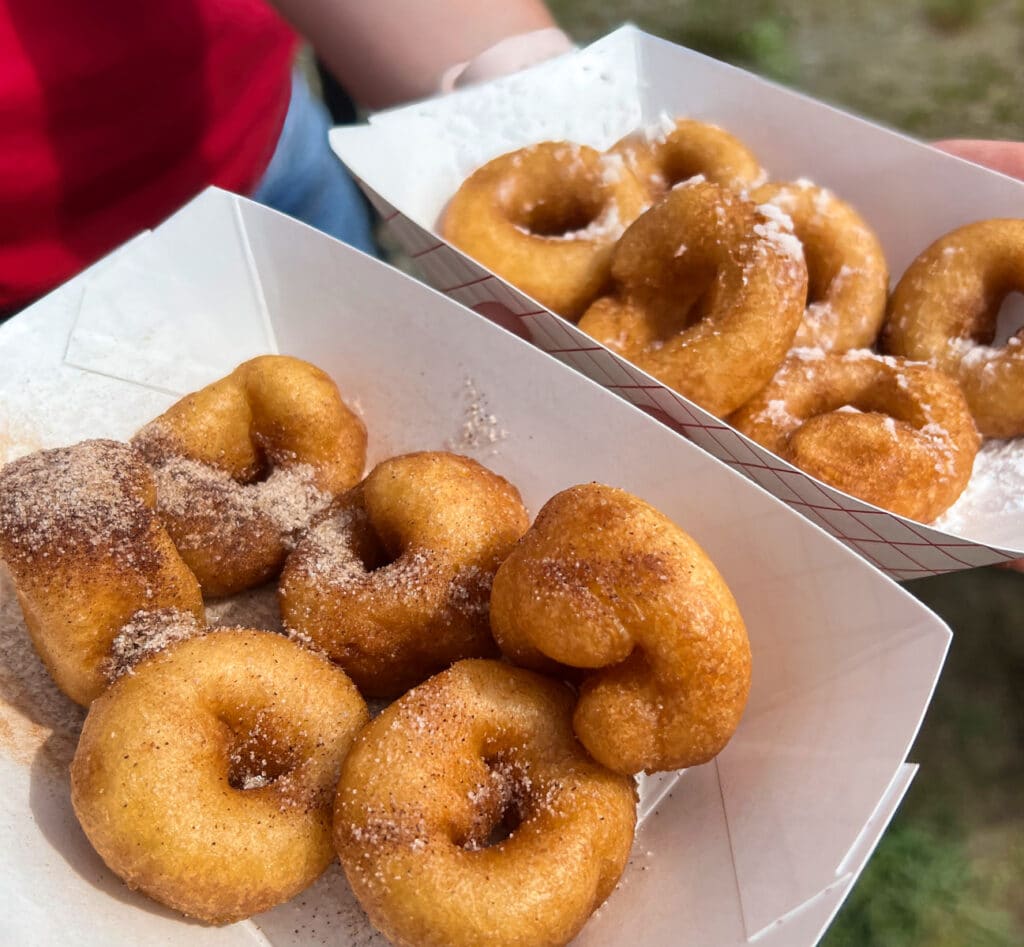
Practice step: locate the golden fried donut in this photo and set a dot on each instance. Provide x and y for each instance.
(87, 552)
(205, 777)
(243, 465)
(604, 582)
(847, 276)
(944, 311)
(892, 432)
(546, 218)
(394, 582)
(708, 292)
(674, 151)
(478, 750)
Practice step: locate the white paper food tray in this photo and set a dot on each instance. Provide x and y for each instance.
(910, 194)
(765, 841)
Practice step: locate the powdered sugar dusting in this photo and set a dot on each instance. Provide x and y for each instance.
(995, 490)
(778, 230)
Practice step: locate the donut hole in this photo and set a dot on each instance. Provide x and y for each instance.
(558, 214)
(257, 757)
(1005, 322)
(696, 298)
(680, 164)
(498, 801)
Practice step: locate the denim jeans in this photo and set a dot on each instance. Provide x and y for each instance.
(305, 180)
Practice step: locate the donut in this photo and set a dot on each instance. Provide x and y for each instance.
(847, 276)
(394, 582)
(87, 552)
(944, 311)
(708, 292)
(243, 465)
(480, 751)
(675, 150)
(891, 432)
(605, 583)
(205, 778)
(546, 218)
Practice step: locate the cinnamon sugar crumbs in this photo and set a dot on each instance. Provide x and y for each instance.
(147, 633)
(85, 499)
(480, 429)
(286, 502)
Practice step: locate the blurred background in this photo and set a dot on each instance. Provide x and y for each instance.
(950, 870)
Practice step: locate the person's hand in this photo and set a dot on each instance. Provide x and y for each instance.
(1005, 156)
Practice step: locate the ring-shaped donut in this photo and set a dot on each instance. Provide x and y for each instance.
(87, 551)
(546, 219)
(394, 582)
(945, 310)
(709, 290)
(892, 432)
(243, 465)
(604, 582)
(847, 276)
(474, 748)
(675, 150)
(205, 778)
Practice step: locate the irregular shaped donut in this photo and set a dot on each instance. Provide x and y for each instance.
(87, 552)
(709, 290)
(604, 582)
(479, 745)
(894, 433)
(944, 311)
(394, 582)
(546, 219)
(675, 150)
(847, 276)
(243, 465)
(205, 777)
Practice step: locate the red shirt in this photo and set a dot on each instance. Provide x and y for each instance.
(113, 113)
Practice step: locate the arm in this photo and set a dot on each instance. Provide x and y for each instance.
(389, 51)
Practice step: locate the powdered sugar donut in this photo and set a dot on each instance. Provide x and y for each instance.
(674, 150)
(708, 292)
(244, 465)
(546, 219)
(944, 311)
(847, 276)
(895, 433)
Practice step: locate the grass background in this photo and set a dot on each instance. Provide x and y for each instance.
(949, 872)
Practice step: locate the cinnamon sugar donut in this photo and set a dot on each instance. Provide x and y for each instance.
(708, 292)
(892, 432)
(394, 582)
(205, 777)
(605, 583)
(847, 276)
(546, 218)
(480, 746)
(944, 311)
(87, 552)
(243, 465)
(673, 151)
